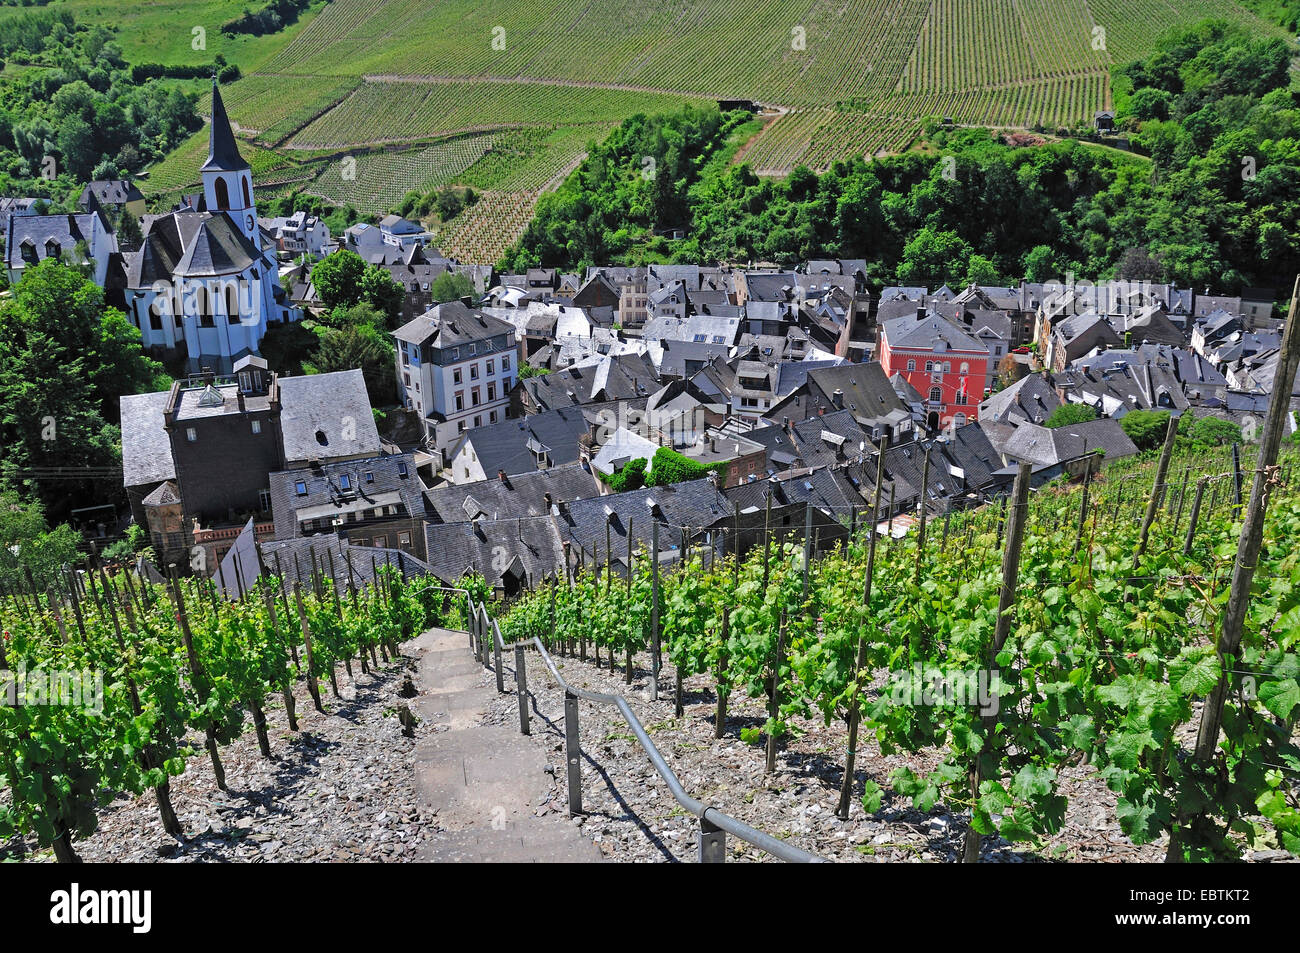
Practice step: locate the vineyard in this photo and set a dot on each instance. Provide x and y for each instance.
(484, 230)
(854, 79)
(377, 181)
(181, 671)
(1103, 660)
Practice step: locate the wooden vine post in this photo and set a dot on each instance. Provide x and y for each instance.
(1157, 490)
(313, 688)
(1248, 549)
(198, 675)
(656, 656)
(1006, 601)
(920, 533)
(855, 712)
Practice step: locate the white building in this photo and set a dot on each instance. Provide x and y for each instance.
(77, 239)
(455, 368)
(298, 234)
(205, 281)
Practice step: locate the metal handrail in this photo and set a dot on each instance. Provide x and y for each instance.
(714, 824)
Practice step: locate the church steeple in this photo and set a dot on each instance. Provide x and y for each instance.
(223, 153)
(227, 178)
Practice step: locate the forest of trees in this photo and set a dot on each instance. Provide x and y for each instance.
(1215, 200)
(83, 116)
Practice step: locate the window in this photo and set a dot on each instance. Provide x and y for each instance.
(911, 365)
(460, 400)
(308, 526)
(257, 426)
(473, 349)
(505, 363)
(947, 367)
(460, 428)
(478, 421)
(935, 394)
(345, 481)
(368, 477)
(264, 500)
(455, 376)
(490, 369)
(300, 488)
(403, 539)
(505, 385)
(191, 434)
(492, 417)
(473, 372)
(232, 305)
(929, 366)
(491, 392)
(474, 398)
(406, 358)
(401, 468)
(155, 321)
(381, 542)
(961, 397)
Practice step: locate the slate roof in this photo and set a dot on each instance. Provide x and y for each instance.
(65, 230)
(451, 325)
(218, 248)
(505, 445)
(518, 496)
(1042, 446)
(223, 153)
(364, 560)
(532, 548)
(329, 404)
(166, 493)
(620, 377)
(146, 448)
(929, 331)
(1031, 398)
(325, 491)
(695, 504)
(110, 192)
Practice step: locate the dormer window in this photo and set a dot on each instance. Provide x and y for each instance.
(345, 481)
(300, 488)
(52, 249)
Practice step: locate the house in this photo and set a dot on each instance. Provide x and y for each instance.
(1077, 335)
(455, 368)
(861, 389)
(298, 234)
(511, 496)
(523, 445)
(1067, 450)
(667, 301)
(371, 501)
(83, 239)
(204, 284)
(1103, 121)
(122, 195)
(402, 233)
(1029, 400)
(217, 440)
(603, 378)
(945, 363)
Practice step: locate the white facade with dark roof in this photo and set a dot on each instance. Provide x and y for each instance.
(455, 368)
(205, 282)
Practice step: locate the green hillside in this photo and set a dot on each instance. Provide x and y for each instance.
(836, 78)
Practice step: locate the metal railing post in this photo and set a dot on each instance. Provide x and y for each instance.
(521, 688)
(472, 615)
(573, 753)
(713, 842)
(494, 633)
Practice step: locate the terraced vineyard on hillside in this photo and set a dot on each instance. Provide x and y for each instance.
(852, 78)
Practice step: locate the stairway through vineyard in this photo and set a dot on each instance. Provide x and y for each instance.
(484, 780)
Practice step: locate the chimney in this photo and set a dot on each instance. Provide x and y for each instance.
(837, 399)
(920, 314)
(821, 411)
(546, 499)
(241, 401)
(501, 475)
(208, 376)
(785, 423)
(467, 301)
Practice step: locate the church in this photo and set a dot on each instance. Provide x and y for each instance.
(204, 285)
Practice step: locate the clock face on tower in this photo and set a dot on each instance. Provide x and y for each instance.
(250, 222)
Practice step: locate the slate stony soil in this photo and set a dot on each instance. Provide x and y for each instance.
(631, 815)
(342, 789)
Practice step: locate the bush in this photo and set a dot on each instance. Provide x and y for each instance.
(631, 477)
(1146, 428)
(669, 467)
(1068, 414)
